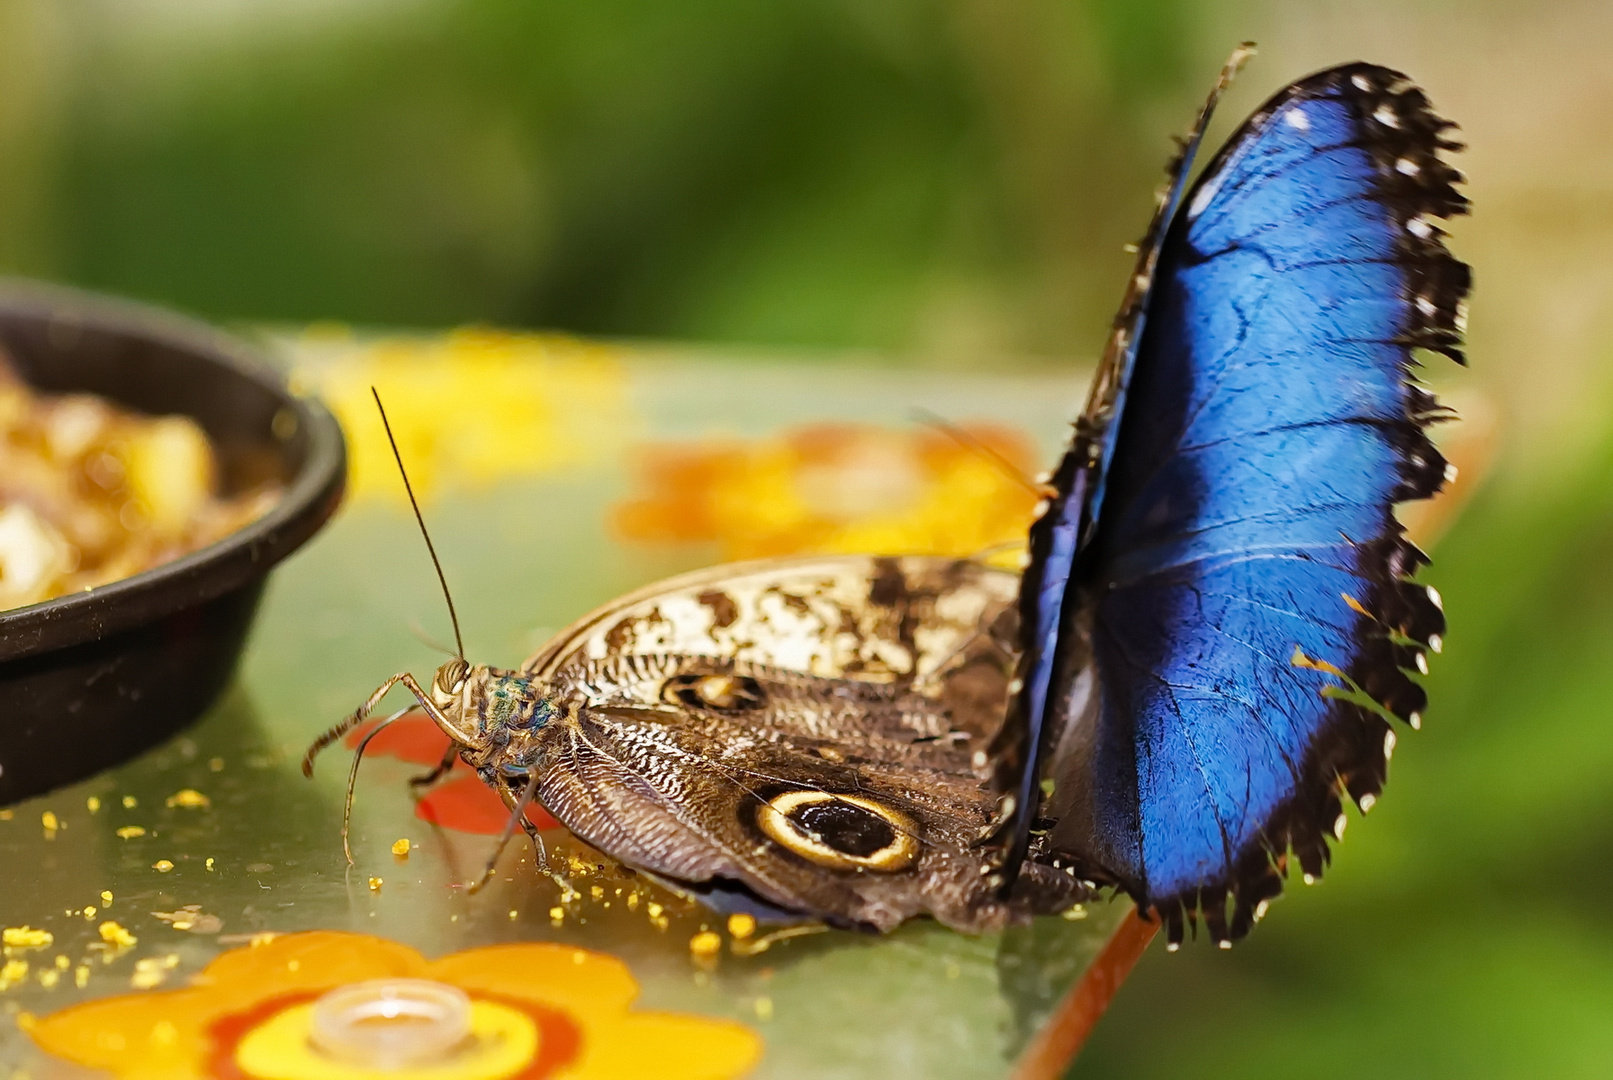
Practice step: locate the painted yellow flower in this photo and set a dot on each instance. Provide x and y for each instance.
(528, 1011)
(468, 408)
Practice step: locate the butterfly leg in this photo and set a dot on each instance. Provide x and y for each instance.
(539, 852)
(517, 817)
(425, 780)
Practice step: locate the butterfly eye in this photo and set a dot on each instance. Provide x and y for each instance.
(841, 832)
(451, 676)
(721, 693)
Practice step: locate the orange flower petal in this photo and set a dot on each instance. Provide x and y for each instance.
(669, 1046)
(561, 976)
(315, 960)
(154, 1036)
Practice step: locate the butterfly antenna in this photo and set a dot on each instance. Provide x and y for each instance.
(973, 442)
(427, 640)
(414, 504)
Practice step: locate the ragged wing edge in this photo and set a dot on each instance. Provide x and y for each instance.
(1351, 752)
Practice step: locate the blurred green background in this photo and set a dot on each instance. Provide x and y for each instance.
(951, 181)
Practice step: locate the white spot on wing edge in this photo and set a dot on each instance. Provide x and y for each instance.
(1205, 194)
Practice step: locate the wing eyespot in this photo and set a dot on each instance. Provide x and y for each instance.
(840, 832)
(715, 693)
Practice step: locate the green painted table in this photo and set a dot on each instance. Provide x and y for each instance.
(543, 500)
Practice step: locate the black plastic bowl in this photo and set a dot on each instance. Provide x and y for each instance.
(92, 679)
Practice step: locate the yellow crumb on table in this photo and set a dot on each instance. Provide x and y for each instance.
(150, 971)
(400, 848)
(81, 976)
(129, 832)
(93, 804)
(51, 823)
(26, 937)
(114, 934)
(12, 972)
(209, 863)
(189, 798)
(130, 802)
(741, 925)
(162, 866)
(376, 883)
(705, 944)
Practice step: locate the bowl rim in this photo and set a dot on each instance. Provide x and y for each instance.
(310, 498)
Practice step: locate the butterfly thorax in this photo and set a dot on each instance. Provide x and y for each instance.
(491, 710)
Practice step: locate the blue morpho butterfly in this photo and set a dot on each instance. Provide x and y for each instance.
(1210, 638)
(1218, 621)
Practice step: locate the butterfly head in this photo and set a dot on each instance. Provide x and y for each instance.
(489, 711)
(450, 682)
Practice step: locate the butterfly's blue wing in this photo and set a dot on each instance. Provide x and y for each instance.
(1242, 623)
(1075, 494)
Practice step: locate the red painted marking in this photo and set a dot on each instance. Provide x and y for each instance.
(468, 805)
(413, 737)
(462, 803)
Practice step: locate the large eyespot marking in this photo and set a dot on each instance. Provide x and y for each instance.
(719, 693)
(841, 832)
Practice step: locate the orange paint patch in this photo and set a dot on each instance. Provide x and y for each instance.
(828, 488)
